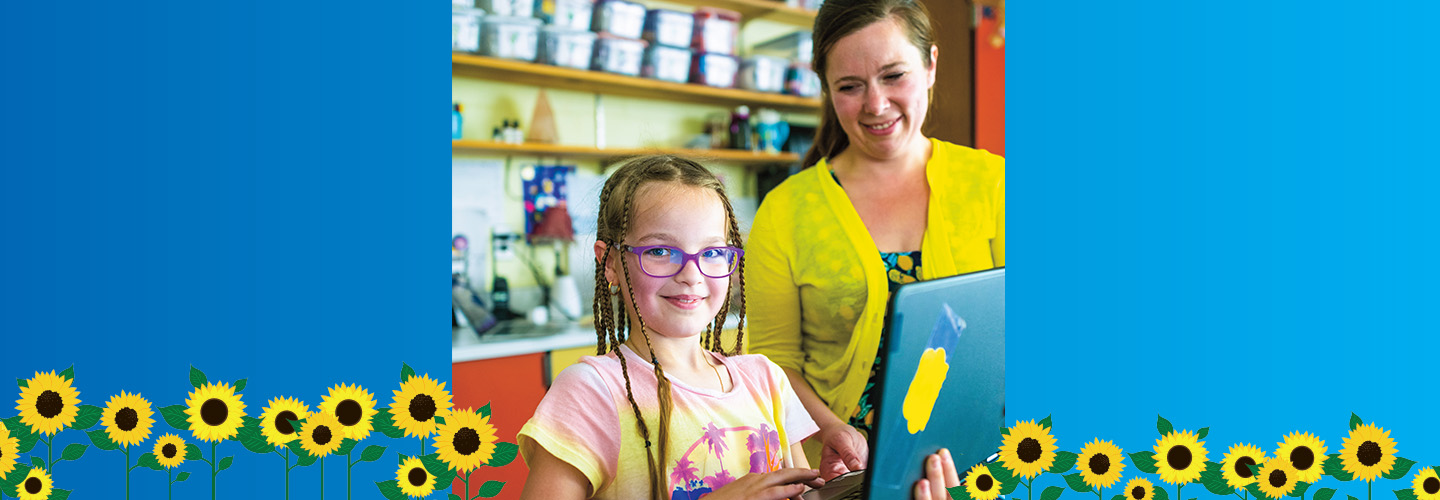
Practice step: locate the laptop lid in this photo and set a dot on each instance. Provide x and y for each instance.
(942, 384)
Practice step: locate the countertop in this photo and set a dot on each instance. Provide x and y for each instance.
(522, 337)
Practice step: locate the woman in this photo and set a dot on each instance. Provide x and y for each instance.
(882, 205)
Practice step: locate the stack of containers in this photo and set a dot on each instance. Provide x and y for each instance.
(510, 31)
(714, 39)
(465, 26)
(668, 56)
(566, 39)
(618, 47)
(793, 52)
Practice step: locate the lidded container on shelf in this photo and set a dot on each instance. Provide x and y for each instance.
(614, 54)
(569, 14)
(619, 17)
(668, 27)
(801, 80)
(465, 28)
(715, 70)
(796, 46)
(561, 46)
(715, 31)
(512, 8)
(663, 62)
(763, 73)
(510, 37)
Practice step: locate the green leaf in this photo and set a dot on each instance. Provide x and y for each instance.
(305, 459)
(385, 423)
(102, 440)
(89, 415)
(59, 494)
(176, 417)
(1118, 497)
(390, 489)
(1402, 467)
(1160, 493)
(485, 410)
(149, 461)
(346, 447)
(956, 493)
(197, 377)
(504, 454)
(38, 463)
(1045, 422)
(1200, 434)
(16, 475)
(1007, 479)
(492, 488)
(225, 463)
(439, 420)
(74, 451)
(182, 476)
(240, 385)
(1214, 479)
(253, 440)
(443, 475)
(1075, 482)
(406, 372)
(1255, 492)
(1299, 490)
(1437, 469)
(69, 373)
(1163, 426)
(1324, 494)
(455, 497)
(1064, 461)
(22, 383)
(192, 452)
(1355, 421)
(1254, 469)
(1335, 468)
(1145, 461)
(372, 453)
(1351, 497)
(1405, 494)
(23, 433)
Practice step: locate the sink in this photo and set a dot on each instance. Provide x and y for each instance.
(511, 330)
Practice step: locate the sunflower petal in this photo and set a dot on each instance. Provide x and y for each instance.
(492, 488)
(88, 416)
(1076, 483)
(102, 440)
(1145, 461)
(1324, 494)
(406, 372)
(390, 489)
(372, 453)
(197, 377)
(176, 417)
(1402, 467)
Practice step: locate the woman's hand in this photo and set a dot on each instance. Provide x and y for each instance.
(778, 485)
(845, 450)
(940, 474)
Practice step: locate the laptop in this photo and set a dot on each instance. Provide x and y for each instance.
(942, 384)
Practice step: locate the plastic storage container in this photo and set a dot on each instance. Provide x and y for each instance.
(618, 55)
(619, 17)
(669, 27)
(763, 73)
(671, 64)
(468, 4)
(465, 29)
(515, 8)
(510, 37)
(715, 70)
(566, 47)
(569, 14)
(716, 30)
(801, 80)
(795, 46)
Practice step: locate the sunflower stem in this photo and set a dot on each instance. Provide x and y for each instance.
(348, 465)
(213, 471)
(322, 478)
(465, 479)
(1369, 490)
(170, 486)
(286, 456)
(126, 449)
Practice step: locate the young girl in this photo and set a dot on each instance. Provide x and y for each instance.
(663, 412)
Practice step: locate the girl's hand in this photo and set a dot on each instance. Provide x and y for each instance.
(939, 475)
(778, 485)
(845, 450)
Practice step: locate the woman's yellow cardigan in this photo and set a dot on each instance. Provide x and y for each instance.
(816, 286)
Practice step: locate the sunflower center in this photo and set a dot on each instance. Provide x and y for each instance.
(126, 419)
(1277, 478)
(49, 404)
(1099, 464)
(984, 482)
(422, 407)
(1242, 467)
(1369, 453)
(32, 486)
(214, 412)
(466, 441)
(282, 422)
(1302, 457)
(417, 476)
(349, 412)
(322, 435)
(169, 451)
(1179, 457)
(1431, 485)
(1028, 450)
(1137, 492)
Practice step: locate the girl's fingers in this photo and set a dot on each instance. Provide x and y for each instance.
(922, 490)
(935, 476)
(952, 476)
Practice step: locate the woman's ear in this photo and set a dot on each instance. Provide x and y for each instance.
(934, 61)
(600, 249)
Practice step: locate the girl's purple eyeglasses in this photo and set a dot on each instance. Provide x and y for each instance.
(663, 261)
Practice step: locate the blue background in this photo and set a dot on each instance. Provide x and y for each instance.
(1217, 214)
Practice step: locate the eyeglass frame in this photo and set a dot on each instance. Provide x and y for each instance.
(685, 258)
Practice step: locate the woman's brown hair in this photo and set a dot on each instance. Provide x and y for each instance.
(616, 200)
(838, 19)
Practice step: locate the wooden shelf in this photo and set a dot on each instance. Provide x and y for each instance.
(543, 75)
(769, 10)
(726, 155)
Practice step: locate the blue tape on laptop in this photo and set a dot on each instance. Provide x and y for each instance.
(942, 384)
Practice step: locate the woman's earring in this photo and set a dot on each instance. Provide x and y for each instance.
(614, 289)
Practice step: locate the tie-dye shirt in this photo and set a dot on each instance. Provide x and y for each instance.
(586, 421)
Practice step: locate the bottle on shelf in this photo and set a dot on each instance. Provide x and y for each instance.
(740, 129)
(456, 120)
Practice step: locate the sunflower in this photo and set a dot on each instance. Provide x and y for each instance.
(170, 451)
(1427, 484)
(414, 480)
(1277, 479)
(48, 403)
(9, 450)
(321, 434)
(466, 440)
(1236, 468)
(275, 420)
(1139, 489)
(215, 412)
(1180, 456)
(417, 403)
(36, 485)
(1100, 463)
(1368, 452)
(980, 484)
(353, 408)
(127, 419)
(1028, 450)
(1306, 453)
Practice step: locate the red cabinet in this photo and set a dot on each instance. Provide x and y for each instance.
(513, 387)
